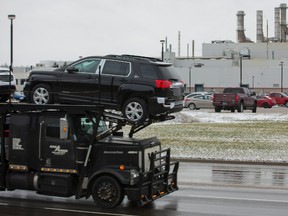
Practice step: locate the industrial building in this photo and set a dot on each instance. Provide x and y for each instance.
(261, 65)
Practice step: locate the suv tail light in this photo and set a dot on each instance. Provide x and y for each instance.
(163, 84)
(236, 98)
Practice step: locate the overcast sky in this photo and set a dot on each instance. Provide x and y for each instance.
(66, 29)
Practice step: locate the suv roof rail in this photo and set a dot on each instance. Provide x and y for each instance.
(126, 56)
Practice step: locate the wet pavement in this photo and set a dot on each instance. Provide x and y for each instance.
(244, 175)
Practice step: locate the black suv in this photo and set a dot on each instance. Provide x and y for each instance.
(140, 87)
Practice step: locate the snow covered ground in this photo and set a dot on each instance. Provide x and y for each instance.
(209, 116)
(262, 142)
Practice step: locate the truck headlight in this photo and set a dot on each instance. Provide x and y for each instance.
(134, 176)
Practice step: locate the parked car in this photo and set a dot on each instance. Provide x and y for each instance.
(239, 98)
(280, 98)
(140, 87)
(199, 101)
(7, 87)
(265, 101)
(192, 94)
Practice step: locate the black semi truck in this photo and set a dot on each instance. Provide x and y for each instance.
(76, 150)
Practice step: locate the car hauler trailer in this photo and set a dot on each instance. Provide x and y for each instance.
(68, 150)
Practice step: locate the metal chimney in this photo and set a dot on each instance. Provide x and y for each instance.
(277, 24)
(283, 25)
(259, 32)
(240, 27)
(179, 44)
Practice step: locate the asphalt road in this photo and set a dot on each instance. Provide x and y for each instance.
(206, 189)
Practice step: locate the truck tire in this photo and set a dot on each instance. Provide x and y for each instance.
(254, 110)
(106, 192)
(240, 107)
(218, 109)
(41, 94)
(135, 109)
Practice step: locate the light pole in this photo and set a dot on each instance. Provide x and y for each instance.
(241, 70)
(281, 64)
(162, 52)
(190, 87)
(11, 17)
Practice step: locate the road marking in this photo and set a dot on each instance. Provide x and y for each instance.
(4, 204)
(87, 212)
(243, 199)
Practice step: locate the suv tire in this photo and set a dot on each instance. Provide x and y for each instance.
(135, 109)
(41, 94)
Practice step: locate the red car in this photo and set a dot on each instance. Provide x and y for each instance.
(280, 98)
(265, 101)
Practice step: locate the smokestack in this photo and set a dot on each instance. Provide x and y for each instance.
(283, 25)
(240, 27)
(166, 47)
(277, 24)
(193, 48)
(179, 44)
(259, 32)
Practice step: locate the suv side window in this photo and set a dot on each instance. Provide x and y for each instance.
(148, 71)
(117, 68)
(87, 66)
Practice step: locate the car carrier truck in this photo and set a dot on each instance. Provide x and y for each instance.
(70, 150)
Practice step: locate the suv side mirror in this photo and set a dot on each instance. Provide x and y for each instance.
(71, 69)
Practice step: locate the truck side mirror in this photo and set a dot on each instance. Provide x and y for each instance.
(71, 69)
(64, 128)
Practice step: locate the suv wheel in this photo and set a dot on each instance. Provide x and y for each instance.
(41, 94)
(135, 109)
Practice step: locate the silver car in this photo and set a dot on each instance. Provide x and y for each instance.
(199, 101)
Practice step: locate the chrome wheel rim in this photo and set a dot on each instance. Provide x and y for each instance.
(41, 96)
(134, 111)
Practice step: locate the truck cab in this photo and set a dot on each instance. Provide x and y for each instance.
(72, 150)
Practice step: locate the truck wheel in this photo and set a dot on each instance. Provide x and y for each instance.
(135, 109)
(106, 192)
(41, 94)
(217, 109)
(254, 110)
(241, 107)
(192, 106)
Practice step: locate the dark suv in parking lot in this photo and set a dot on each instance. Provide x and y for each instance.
(140, 87)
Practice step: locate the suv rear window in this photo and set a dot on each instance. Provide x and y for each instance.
(149, 71)
(169, 73)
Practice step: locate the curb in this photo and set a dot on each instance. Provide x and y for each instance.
(267, 163)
